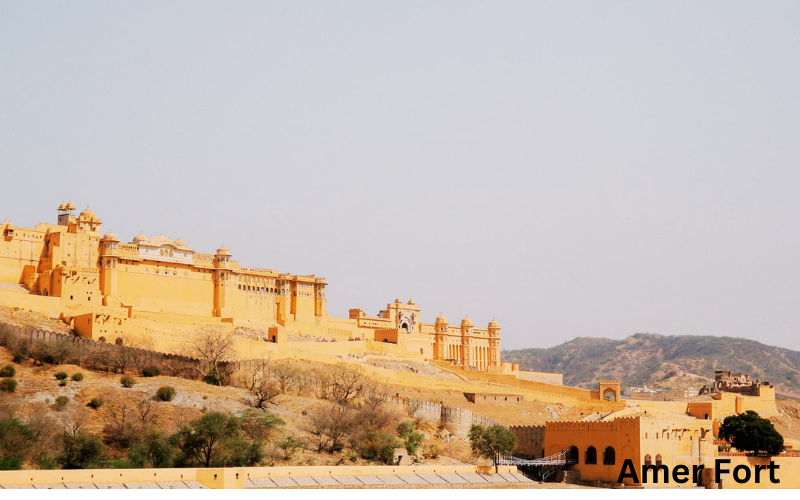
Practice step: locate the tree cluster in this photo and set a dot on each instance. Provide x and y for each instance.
(750, 433)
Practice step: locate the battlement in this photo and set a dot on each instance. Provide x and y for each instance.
(596, 425)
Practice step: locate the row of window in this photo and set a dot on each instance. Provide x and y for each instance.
(590, 455)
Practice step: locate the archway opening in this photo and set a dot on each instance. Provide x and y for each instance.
(609, 456)
(572, 453)
(590, 457)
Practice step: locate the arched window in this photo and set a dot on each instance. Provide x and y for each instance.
(101, 339)
(572, 453)
(590, 457)
(609, 456)
(648, 460)
(118, 341)
(658, 460)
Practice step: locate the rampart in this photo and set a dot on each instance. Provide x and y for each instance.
(530, 440)
(100, 355)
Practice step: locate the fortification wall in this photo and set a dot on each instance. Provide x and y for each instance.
(102, 356)
(543, 377)
(391, 350)
(530, 440)
(459, 421)
(539, 391)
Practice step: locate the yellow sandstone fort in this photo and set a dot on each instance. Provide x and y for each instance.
(98, 284)
(160, 288)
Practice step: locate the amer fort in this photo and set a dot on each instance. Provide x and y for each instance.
(155, 291)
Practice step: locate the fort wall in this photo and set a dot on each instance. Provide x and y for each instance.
(530, 440)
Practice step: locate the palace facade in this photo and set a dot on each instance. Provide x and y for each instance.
(100, 282)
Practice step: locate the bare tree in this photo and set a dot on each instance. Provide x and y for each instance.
(286, 375)
(61, 352)
(140, 350)
(346, 382)
(122, 357)
(215, 346)
(374, 393)
(330, 426)
(39, 351)
(105, 356)
(119, 426)
(145, 413)
(263, 388)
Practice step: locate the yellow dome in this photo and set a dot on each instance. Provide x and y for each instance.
(140, 238)
(410, 302)
(111, 237)
(63, 206)
(223, 250)
(70, 206)
(88, 214)
(494, 324)
(180, 243)
(441, 318)
(466, 322)
(160, 240)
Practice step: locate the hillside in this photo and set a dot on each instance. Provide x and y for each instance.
(668, 362)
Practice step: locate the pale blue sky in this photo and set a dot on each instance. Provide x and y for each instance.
(572, 168)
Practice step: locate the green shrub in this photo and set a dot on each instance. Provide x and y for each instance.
(95, 403)
(380, 446)
(166, 393)
(8, 371)
(62, 383)
(62, 375)
(127, 381)
(412, 439)
(432, 451)
(19, 358)
(61, 402)
(8, 385)
(151, 371)
(77, 377)
(81, 451)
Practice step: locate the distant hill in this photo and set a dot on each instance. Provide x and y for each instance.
(668, 362)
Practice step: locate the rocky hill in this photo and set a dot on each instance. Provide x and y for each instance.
(668, 362)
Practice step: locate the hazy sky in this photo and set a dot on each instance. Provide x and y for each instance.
(572, 168)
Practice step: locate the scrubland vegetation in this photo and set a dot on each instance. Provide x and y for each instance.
(272, 413)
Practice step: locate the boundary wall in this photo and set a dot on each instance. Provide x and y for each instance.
(530, 440)
(217, 478)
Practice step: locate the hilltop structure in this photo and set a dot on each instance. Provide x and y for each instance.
(97, 283)
(649, 432)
